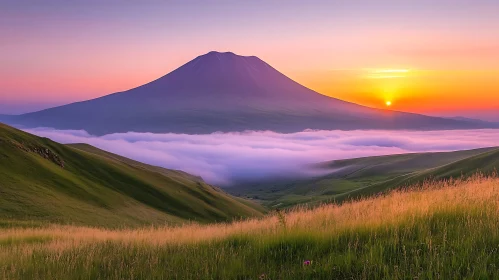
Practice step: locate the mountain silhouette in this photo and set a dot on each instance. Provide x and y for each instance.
(225, 92)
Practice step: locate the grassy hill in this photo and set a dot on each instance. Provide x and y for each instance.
(486, 162)
(41, 180)
(439, 232)
(353, 178)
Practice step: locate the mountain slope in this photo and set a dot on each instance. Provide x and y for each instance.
(486, 163)
(47, 181)
(353, 178)
(225, 92)
(4, 118)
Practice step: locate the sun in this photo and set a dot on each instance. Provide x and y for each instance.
(388, 103)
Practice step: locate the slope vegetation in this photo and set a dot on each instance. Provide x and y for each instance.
(353, 178)
(46, 181)
(486, 163)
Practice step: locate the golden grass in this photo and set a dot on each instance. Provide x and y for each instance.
(476, 194)
(445, 230)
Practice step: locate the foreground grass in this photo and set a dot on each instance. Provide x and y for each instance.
(440, 231)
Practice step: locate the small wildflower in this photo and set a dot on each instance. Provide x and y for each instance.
(307, 262)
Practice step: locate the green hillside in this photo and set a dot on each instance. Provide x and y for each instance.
(352, 178)
(486, 163)
(41, 180)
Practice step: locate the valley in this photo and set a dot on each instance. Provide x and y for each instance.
(363, 177)
(249, 140)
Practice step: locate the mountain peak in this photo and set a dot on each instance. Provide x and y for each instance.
(226, 54)
(220, 53)
(216, 56)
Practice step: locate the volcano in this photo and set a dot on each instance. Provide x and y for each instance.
(225, 92)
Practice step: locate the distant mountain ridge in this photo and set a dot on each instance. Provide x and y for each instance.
(476, 121)
(6, 117)
(225, 92)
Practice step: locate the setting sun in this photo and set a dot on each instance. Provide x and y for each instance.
(388, 103)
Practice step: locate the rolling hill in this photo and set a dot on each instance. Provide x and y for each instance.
(226, 92)
(41, 180)
(486, 163)
(361, 177)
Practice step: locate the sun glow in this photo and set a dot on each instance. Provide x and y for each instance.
(387, 73)
(388, 103)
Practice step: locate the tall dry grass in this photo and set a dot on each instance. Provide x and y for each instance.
(477, 193)
(410, 208)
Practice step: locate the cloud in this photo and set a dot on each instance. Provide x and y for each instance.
(225, 158)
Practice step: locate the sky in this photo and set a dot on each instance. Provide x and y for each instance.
(432, 57)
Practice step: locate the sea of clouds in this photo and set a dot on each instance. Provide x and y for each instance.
(225, 158)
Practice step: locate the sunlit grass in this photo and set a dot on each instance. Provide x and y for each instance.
(447, 230)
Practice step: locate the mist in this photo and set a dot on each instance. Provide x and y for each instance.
(226, 158)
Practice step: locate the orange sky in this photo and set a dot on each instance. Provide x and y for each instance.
(410, 90)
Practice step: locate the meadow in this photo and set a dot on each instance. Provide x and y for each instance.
(436, 230)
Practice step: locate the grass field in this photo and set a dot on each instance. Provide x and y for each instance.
(41, 180)
(446, 230)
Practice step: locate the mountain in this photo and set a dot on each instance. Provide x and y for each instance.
(41, 180)
(4, 118)
(225, 92)
(354, 178)
(475, 121)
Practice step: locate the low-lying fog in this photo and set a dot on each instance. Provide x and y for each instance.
(224, 158)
